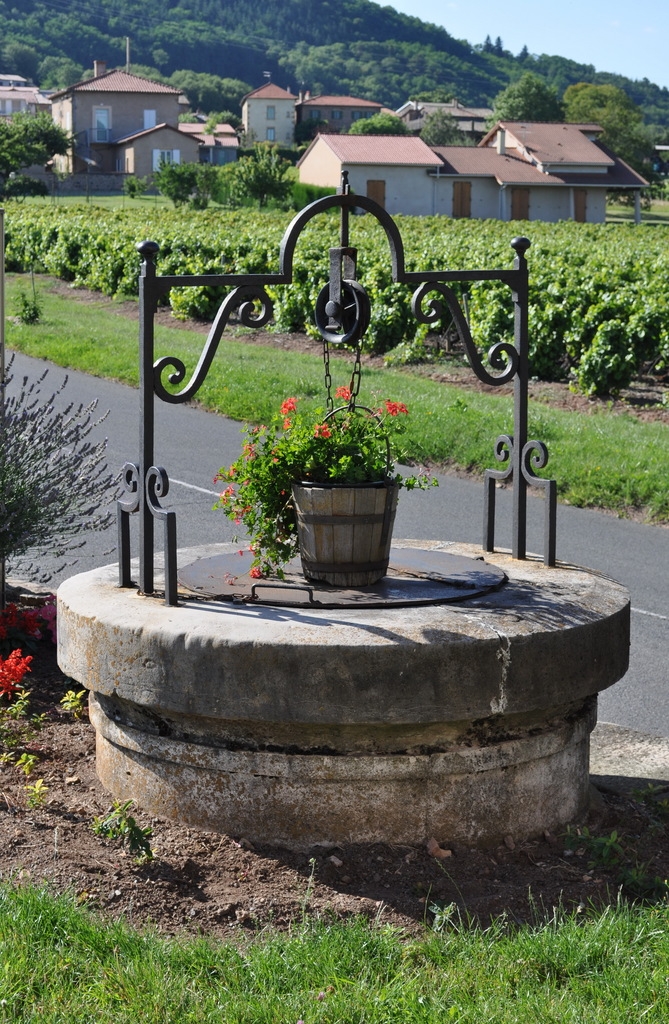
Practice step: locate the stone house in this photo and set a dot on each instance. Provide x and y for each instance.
(470, 120)
(105, 112)
(17, 96)
(337, 112)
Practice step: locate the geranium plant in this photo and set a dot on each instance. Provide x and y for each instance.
(349, 445)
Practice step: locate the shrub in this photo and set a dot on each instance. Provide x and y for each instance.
(54, 483)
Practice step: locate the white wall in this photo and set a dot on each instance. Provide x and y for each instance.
(408, 189)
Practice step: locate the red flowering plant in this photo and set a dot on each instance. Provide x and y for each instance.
(23, 627)
(350, 445)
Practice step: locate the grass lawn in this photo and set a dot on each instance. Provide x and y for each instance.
(604, 460)
(63, 964)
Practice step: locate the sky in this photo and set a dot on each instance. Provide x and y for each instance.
(613, 35)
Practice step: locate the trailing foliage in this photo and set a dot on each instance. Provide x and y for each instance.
(598, 293)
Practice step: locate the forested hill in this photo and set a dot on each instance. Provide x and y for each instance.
(339, 46)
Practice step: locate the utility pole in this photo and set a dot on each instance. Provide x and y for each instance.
(127, 54)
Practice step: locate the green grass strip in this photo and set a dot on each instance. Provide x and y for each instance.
(62, 964)
(602, 460)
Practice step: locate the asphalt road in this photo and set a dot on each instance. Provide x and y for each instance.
(192, 444)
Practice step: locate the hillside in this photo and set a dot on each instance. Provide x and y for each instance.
(352, 46)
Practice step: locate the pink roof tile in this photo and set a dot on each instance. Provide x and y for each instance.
(404, 150)
(269, 91)
(553, 143)
(338, 101)
(117, 81)
(512, 169)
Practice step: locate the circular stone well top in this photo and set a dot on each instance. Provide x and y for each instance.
(548, 637)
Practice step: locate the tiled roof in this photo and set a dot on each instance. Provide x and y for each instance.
(192, 128)
(476, 161)
(553, 143)
(118, 81)
(147, 131)
(338, 101)
(270, 91)
(402, 150)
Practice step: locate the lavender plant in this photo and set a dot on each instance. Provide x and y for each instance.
(54, 481)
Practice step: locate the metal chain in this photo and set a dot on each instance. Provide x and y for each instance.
(328, 375)
(356, 375)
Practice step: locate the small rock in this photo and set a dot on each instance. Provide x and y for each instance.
(71, 779)
(345, 879)
(246, 844)
(336, 861)
(509, 843)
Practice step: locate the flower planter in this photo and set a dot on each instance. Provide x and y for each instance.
(345, 531)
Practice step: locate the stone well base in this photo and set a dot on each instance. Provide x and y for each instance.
(292, 726)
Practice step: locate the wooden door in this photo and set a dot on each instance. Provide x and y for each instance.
(520, 204)
(462, 198)
(376, 190)
(580, 204)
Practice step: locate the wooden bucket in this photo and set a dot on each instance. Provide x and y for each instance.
(345, 531)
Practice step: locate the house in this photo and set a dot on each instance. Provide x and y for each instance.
(142, 153)
(268, 115)
(105, 112)
(470, 120)
(391, 169)
(519, 171)
(216, 147)
(533, 171)
(337, 112)
(18, 97)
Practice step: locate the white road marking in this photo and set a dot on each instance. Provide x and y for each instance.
(654, 615)
(194, 487)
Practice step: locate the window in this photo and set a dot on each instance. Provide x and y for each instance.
(149, 119)
(335, 115)
(270, 134)
(101, 124)
(271, 113)
(165, 156)
(315, 115)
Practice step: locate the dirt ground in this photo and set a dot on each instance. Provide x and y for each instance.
(204, 882)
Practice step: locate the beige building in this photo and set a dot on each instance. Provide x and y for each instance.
(18, 97)
(268, 115)
(529, 170)
(106, 110)
(471, 120)
(519, 171)
(143, 152)
(391, 169)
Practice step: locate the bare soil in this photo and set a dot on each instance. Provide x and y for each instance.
(203, 882)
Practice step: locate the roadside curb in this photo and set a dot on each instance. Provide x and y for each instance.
(623, 759)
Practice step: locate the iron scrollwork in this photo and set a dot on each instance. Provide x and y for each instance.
(342, 316)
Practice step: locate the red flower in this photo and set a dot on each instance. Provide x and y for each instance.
(395, 408)
(343, 392)
(290, 405)
(322, 430)
(12, 671)
(255, 573)
(287, 423)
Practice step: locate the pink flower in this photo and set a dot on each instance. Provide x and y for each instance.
(255, 573)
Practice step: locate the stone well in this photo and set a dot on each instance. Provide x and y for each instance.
(467, 721)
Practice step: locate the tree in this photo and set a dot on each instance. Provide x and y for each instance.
(58, 73)
(379, 124)
(223, 117)
(528, 99)
(194, 184)
(441, 129)
(19, 59)
(263, 176)
(210, 92)
(29, 139)
(621, 119)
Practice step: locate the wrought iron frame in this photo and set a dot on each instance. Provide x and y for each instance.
(342, 316)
